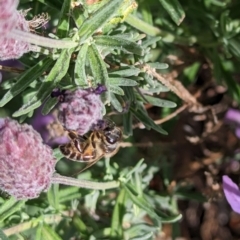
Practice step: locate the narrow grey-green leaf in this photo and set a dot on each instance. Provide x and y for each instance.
(119, 43)
(122, 81)
(64, 18)
(56, 74)
(3, 236)
(10, 207)
(117, 216)
(127, 124)
(115, 103)
(37, 100)
(158, 65)
(49, 105)
(158, 102)
(78, 16)
(38, 235)
(61, 66)
(142, 116)
(116, 90)
(142, 203)
(126, 72)
(97, 65)
(174, 9)
(98, 18)
(151, 41)
(79, 70)
(49, 234)
(145, 236)
(25, 79)
(53, 196)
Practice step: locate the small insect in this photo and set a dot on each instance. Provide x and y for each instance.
(102, 141)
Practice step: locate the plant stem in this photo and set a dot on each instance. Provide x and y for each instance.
(41, 41)
(84, 183)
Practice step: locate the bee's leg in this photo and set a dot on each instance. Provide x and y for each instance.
(72, 134)
(65, 149)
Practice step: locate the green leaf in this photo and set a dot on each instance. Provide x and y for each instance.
(63, 22)
(158, 65)
(127, 124)
(49, 105)
(80, 225)
(38, 235)
(61, 66)
(56, 74)
(145, 236)
(98, 18)
(142, 203)
(122, 81)
(157, 101)
(49, 234)
(174, 9)
(117, 217)
(3, 236)
(129, 93)
(37, 100)
(142, 116)
(119, 43)
(9, 207)
(97, 65)
(116, 90)
(115, 103)
(126, 72)
(79, 70)
(78, 16)
(69, 194)
(53, 196)
(25, 79)
(151, 41)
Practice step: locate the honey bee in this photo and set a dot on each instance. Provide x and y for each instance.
(102, 141)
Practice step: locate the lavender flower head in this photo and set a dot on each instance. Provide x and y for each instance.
(232, 193)
(80, 110)
(26, 164)
(12, 48)
(8, 17)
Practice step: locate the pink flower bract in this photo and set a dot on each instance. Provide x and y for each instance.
(80, 110)
(8, 16)
(26, 164)
(12, 48)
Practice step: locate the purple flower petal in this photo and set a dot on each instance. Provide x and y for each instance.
(232, 193)
(237, 132)
(233, 115)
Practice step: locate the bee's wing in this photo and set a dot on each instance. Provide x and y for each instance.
(89, 164)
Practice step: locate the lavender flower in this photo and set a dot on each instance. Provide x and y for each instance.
(8, 17)
(232, 193)
(15, 36)
(11, 48)
(80, 110)
(233, 116)
(26, 164)
(42, 124)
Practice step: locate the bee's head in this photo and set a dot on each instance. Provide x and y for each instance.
(113, 135)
